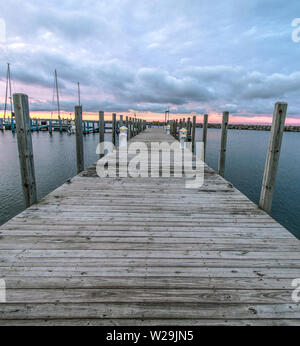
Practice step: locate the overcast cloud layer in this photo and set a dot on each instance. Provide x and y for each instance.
(192, 55)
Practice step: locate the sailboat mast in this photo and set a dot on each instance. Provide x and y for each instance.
(9, 83)
(57, 95)
(6, 93)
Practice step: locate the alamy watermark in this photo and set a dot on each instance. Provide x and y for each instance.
(296, 291)
(154, 160)
(2, 291)
(296, 31)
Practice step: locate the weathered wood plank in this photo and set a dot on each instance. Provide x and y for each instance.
(150, 310)
(147, 250)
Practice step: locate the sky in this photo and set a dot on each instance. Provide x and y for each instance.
(195, 56)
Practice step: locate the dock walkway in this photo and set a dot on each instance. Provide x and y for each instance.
(134, 251)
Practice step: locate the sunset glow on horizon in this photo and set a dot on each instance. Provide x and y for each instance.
(213, 118)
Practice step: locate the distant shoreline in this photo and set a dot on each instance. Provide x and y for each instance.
(288, 128)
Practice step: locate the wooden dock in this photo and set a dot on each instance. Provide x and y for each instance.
(147, 251)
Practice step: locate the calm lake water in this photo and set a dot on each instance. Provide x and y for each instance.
(55, 162)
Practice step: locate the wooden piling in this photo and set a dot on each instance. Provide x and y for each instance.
(13, 128)
(101, 132)
(113, 129)
(273, 154)
(133, 127)
(189, 128)
(79, 139)
(194, 135)
(50, 127)
(222, 156)
(204, 135)
(25, 148)
(174, 128)
(129, 128)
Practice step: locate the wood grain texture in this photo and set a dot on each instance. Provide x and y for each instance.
(25, 149)
(147, 251)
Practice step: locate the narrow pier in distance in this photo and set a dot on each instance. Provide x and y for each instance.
(134, 251)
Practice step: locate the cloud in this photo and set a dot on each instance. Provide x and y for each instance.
(130, 54)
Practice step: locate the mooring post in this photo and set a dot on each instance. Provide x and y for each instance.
(204, 135)
(101, 133)
(25, 148)
(189, 128)
(273, 154)
(133, 127)
(13, 128)
(60, 125)
(121, 121)
(126, 122)
(174, 128)
(1, 124)
(129, 128)
(79, 139)
(50, 127)
(113, 129)
(222, 156)
(194, 135)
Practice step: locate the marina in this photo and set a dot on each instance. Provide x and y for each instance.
(119, 251)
